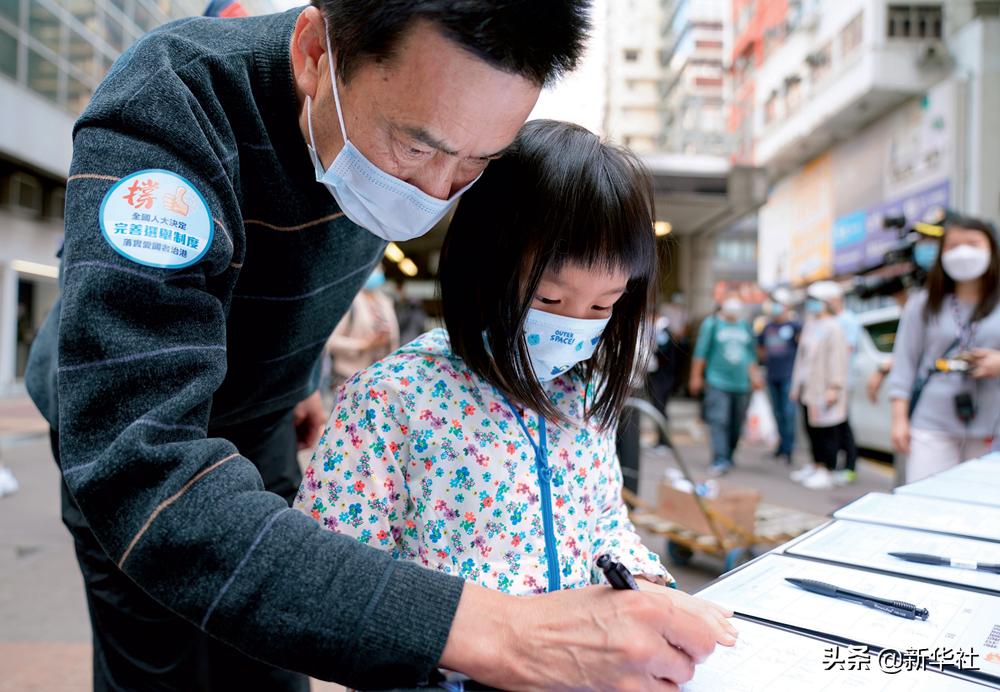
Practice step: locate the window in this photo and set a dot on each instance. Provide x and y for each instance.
(631, 55)
(10, 9)
(8, 55)
(43, 76)
(771, 108)
(919, 21)
(883, 334)
(57, 203)
(819, 63)
(44, 26)
(852, 35)
(25, 192)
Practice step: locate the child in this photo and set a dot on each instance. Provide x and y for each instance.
(487, 451)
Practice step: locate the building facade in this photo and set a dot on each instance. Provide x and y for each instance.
(53, 54)
(694, 84)
(633, 105)
(869, 109)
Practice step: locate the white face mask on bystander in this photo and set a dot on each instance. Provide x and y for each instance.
(965, 262)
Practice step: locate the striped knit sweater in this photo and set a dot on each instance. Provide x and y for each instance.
(137, 364)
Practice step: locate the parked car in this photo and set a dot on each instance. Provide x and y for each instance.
(872, 422)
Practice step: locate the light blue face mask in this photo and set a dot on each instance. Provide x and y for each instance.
(557, 343)
(390, 208)
(925, 254)
(814, 307)
(375, 280)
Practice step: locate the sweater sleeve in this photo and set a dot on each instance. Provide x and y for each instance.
(355, 483)
(908, 349)
(141, 350)
(614, 533)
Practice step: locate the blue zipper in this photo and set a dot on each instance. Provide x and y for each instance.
(545, 488)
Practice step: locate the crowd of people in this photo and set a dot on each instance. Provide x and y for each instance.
(943, 378)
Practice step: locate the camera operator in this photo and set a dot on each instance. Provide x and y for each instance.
(921, 252)
(944, 387)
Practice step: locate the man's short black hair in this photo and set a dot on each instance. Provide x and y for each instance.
(537, 39)
(560, 197)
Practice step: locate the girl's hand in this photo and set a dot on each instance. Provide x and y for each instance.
(901, 434)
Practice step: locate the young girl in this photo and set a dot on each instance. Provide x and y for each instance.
(942, 418)
(487, 451)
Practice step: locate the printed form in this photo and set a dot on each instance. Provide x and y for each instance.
(956, 489)
(767, 659)
(925, 513)
(869, 545)
(958, 619)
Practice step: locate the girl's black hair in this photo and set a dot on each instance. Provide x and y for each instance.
(559, 196)
(939, 284)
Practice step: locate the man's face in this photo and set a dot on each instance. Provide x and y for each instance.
(433, 114)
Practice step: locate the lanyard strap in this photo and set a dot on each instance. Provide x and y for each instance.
(966, 329)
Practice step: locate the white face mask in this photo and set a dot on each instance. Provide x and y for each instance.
(965, 262)
(392, 209)
(732, 307)
(557, 343)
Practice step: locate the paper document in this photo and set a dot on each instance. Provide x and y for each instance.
(971, 490)
(985, 470)
(925, 513)
(868, 545)
(958, 619)
(767, 659)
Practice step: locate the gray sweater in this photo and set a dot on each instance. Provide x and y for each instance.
(137, 365)
(919, 343)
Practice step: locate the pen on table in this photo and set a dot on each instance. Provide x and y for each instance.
(897, 608)
(926, 559)
(617, 574)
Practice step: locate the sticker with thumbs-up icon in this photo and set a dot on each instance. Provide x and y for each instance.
(176, 203)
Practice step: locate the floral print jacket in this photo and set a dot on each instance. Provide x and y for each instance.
(425, 459)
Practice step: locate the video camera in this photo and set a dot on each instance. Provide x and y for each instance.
(910, 235)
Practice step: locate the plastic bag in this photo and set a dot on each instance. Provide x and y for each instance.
(760, 424)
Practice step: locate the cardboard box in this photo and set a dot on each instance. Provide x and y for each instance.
(738, 504)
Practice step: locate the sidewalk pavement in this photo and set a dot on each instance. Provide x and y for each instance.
(44, 630)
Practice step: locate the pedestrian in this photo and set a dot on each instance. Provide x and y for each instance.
(945, 394)
(529, 380)
(368, 332)
(232, 186)
(725, 369)
(851, 328)
(661, 378)
(778, 343)
(819, 384)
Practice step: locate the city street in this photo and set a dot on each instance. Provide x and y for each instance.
(44, 634)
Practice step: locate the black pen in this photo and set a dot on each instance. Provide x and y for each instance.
(926, 559)
(897, 608)
(617, 574)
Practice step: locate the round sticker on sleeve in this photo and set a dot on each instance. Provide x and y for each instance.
(157, 218)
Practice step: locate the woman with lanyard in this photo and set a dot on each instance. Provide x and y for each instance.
(944, 408)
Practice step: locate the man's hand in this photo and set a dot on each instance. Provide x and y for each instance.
(309, 419)
(756, 381)
(985, 363)
(591, 638)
